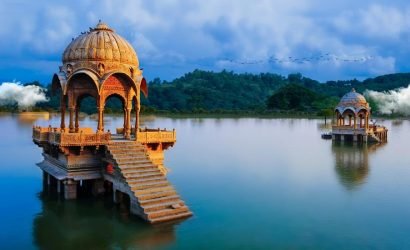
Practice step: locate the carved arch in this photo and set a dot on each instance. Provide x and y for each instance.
(144, 87)
(92, 77)
(122, 75)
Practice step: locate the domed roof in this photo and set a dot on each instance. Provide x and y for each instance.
(353, 100)
(100, 44)
(353, 97)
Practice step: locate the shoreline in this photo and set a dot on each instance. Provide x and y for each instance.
(289, 115)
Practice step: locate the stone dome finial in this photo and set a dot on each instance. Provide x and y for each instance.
(102, 26)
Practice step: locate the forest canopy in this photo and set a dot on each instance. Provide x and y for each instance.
(225, 92)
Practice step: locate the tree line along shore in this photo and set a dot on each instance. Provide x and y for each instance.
(228, 93)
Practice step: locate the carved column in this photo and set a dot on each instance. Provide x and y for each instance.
(128, 132)
(125, 121)
(77, 124)
(100, 127)
(62, 110)
(367, 120)
(355, 122)
(71, 125)
(137, 122)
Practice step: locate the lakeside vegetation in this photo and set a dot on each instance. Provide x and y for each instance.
(229, 93)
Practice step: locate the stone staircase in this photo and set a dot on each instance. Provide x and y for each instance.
(156, 198)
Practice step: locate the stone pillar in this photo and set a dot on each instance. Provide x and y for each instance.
(124, 127)
(367, 121)
(100, 120)
(354, 138)
(137, 122)
(77, 124)
(364, 138)
(334, 137)
(98, 187)
(70, 189)
(58, 186)
(62, 110)
(128, 132)
(117, 196)
(71, 125)
(355, 122)
(342, 137)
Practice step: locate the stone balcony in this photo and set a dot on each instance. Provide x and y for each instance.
(346, 129)
(87, 137)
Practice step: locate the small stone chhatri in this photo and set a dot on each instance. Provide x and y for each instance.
(128, 164)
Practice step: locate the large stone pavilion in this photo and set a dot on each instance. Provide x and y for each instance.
(353, 121)
(126, 163)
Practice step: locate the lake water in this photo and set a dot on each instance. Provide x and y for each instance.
(251, 184)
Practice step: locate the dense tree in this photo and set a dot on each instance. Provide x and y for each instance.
(226, 91)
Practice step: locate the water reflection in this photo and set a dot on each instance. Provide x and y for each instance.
(94, 224)
(352, 162)
(27, 119)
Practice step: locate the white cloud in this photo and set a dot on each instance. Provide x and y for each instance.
(193, 31)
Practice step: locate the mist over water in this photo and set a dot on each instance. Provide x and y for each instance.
(391, 102)
(24, 96)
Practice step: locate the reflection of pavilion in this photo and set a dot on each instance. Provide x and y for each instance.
(352, 162)
(352, 121)
(92, 224)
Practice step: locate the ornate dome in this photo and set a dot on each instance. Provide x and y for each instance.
(353, 100)
(99, 46)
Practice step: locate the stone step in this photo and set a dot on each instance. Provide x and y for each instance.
(148, 185)
(130, 168)
(137, 165)
(171, 217)
(138, 172)
(156, 195)
(153, 190)
(162, 205)
(142, 176)
(131, 181)
(161, 200)
(135, 170)
(127, 161)
(132, 160)
(167, 212)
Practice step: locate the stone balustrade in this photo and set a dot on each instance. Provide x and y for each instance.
(85, 137)
(146, 136)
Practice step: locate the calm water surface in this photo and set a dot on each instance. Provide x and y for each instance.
(251, 183)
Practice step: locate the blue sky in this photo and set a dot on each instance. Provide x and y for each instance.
(174, 37)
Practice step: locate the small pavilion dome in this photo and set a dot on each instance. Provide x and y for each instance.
(353, 101)
(101, 49)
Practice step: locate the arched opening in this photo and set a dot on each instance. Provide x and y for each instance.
(349, 118)
(80, 88)
(114, 103)
(57, 95)
(122, 86)
(85, 104)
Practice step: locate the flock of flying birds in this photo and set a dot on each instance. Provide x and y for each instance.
(327, 57)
